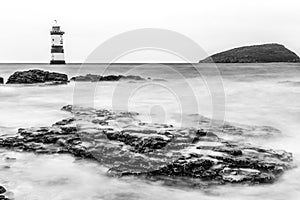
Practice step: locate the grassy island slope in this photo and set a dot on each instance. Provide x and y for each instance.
(265, 53)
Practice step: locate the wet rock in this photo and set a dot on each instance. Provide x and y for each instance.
(2, 197)
(2, 190)
(37, 76)
(96, 78)
(87, 77)
(129, 147)
(139, 144)
(132, 77)
(234, 129)
(10, 159)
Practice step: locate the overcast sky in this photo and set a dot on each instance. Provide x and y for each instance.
(215, 25)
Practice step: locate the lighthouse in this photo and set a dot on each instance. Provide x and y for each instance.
(57, 48)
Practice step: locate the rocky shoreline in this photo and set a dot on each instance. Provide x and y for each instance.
(191, 157)
(36, 76)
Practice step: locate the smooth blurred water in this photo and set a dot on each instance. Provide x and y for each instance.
(255, 94)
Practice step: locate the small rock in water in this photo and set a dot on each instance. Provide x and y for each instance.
(10, 158)
(2, 190)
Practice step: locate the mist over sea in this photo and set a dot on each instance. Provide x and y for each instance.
(255, 94)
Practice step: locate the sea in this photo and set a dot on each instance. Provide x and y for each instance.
(249, 94)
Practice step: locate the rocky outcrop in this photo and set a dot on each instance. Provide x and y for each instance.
(96, 78)
(2, 191)
(37, 76)
(1, 80)
(128, 147)
(254, 54)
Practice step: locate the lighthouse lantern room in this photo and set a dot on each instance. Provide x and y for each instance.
(57, 49)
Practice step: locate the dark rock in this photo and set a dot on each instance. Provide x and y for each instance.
(2, 197)
(10, 159)
(201, 133)
(2, 190)
(185, 156)
(37, 76)
(254, 54)
(96, 78)
(132, 77)
(1, 80)
(88, 78)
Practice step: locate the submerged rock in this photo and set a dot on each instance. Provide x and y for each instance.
(96, 78)
(290, 83)
(129, 147)
(37, 76)
(234, 129)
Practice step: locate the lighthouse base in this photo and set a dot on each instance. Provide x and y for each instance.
(57, 62)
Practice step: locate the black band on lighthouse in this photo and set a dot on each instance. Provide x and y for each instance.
(57, 50)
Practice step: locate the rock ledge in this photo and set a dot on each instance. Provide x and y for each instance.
(128, 147)
(37, 76)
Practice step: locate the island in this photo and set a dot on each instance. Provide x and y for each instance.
(264, 53)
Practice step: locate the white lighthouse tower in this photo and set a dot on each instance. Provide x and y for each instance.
(57, 48)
